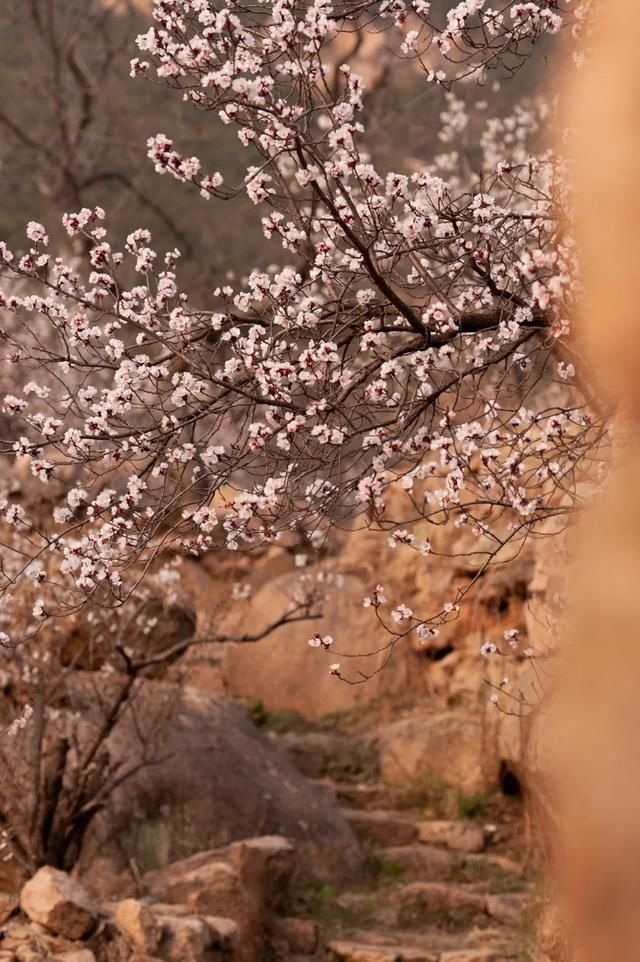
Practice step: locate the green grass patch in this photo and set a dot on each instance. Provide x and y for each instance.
(276, 721)
(320, 901)
(384, 869)
(475, 805)
(427, 792)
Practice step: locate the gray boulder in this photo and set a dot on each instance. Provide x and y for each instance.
(216, 779)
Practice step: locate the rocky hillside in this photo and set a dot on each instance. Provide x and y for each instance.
(287, 816)
(431, 701)
(444, 879)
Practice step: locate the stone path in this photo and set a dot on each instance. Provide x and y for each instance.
(441, 890)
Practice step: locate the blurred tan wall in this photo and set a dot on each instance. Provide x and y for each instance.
(597, 725)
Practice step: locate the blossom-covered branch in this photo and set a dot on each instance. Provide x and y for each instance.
(413, 339)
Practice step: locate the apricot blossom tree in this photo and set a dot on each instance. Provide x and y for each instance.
(413, 338)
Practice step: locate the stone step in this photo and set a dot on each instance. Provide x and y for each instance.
(488, 873)
(457, 906)
(358, 794)
(477, 955)
(381, 827)
(459, 836)
(438, 904)
(426, 863)
(390, 828)
(502, 862)
(368, 908)
(345, 950)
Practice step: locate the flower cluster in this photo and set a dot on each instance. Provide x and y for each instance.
(413, 336)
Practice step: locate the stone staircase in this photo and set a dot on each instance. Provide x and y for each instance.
(441, 889)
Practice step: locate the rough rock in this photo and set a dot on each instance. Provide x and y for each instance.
(224, 932)
(210, 887)
(447, 746)
(168, 908)
(381, 827)
(75, 955)
(359, 794)
(424, 862)
(304, 684)
(317, 754)
(508, 907)
(471, 955)
(344, 951)
(265, 864)
(27, 953)
(141, 957)
(8, 905)
(438, 903)
(214, 888)
(223, 780)
(190, 938)
(58, 902)
(138, 923)
(301, 935)
(14, 933)
(458, 836)
(447, 672)
(184, 939)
